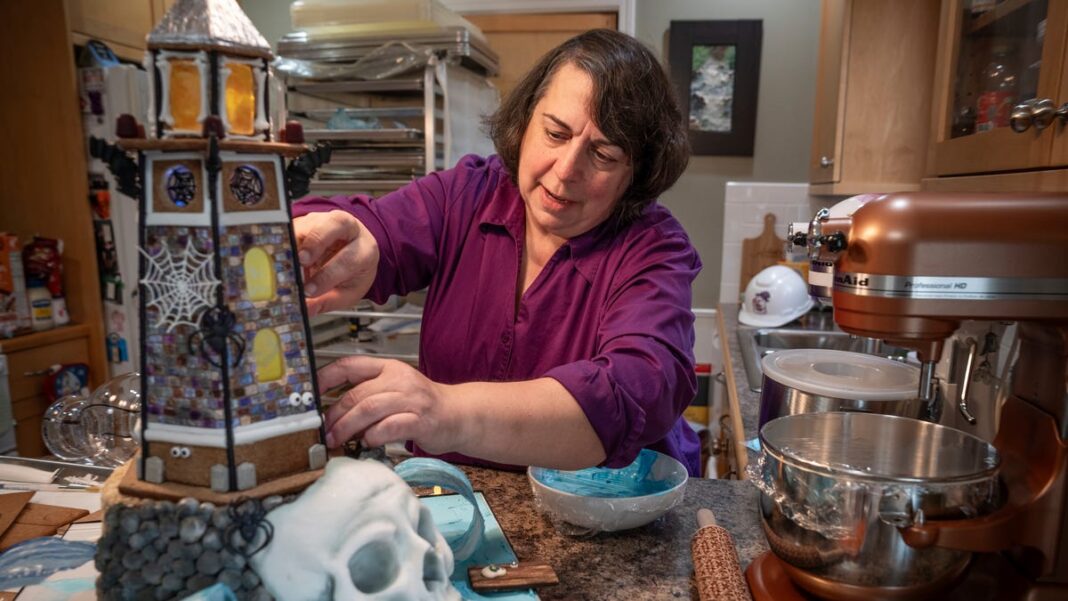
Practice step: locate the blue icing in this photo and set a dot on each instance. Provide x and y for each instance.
(630, 481)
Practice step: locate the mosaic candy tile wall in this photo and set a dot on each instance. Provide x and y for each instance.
(254, 400)
(183, 387)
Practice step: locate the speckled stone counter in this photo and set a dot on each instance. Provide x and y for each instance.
(650, 562)
(748, 401)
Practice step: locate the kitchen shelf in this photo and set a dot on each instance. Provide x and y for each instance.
(43, 338)
(381, 86)
(324, 115)
(451, 43)
(1000, 11)
(359, 135)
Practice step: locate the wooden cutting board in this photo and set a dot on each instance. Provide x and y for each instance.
(763, 251)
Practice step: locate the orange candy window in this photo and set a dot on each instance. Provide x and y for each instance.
(241, 99)
(185, 95)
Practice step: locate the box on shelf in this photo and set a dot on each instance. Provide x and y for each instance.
(14, 308)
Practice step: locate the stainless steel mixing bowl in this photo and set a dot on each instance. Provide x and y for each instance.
(837, 486)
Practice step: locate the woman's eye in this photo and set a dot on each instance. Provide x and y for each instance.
(603, 157)
(555, 135)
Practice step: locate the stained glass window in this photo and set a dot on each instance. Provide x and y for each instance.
(246, 183)
(181, 185)
(259, 275)
(184, 94)
(267, 353)
(241, 99)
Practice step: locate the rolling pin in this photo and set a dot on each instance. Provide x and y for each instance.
(715, 562)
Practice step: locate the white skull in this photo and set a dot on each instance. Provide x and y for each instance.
(357, 533)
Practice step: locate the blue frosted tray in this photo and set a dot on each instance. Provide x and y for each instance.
(452, 513)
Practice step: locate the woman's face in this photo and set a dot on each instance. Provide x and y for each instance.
(570, 176)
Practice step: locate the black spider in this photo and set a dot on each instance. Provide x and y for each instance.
(217, 332)
(247, 521)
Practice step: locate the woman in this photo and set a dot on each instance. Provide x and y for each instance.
(557, 329)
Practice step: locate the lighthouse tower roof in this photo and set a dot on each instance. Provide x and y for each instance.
(209, 24)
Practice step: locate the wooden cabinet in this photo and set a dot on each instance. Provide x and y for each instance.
(29, 361)
(45, 192)
(121, 24)
(989, 63)
(873, 95)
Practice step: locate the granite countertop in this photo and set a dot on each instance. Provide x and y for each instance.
(650, 562)
(748, 401)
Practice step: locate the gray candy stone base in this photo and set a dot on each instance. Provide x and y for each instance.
(164, 550)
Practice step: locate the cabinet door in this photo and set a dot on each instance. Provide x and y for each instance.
(830, 92)
(124, 22)
(872, 128)
(1059, 156)
(28, 370)
(994, 56)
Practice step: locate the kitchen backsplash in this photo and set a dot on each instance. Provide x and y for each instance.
(744, 209)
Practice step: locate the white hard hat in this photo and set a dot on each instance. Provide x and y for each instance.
(774, 297)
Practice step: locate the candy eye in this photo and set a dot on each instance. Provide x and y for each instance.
(308, 398)
(184, 452)
(176, 452)
(294, 399)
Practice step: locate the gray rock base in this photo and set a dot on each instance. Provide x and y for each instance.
(162, 550)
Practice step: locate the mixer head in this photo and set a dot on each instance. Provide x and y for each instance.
(910, 266)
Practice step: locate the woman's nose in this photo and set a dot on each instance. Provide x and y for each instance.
(569, 162)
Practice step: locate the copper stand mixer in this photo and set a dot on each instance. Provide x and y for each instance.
(909, 268)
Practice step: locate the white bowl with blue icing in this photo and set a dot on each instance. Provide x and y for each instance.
(603, 499)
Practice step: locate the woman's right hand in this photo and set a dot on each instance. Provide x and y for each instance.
(340, 259)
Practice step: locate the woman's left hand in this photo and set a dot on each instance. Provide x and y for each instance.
(389, 402)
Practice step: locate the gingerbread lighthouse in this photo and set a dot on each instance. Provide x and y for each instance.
(227, 372)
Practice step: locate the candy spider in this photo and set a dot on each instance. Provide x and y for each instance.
(216, 332)
(247, 522)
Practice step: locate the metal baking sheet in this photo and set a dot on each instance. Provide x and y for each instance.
(364, 135)
(376, 86)
(473, 52)
(398, 112)
(397, 159)
(356, 186)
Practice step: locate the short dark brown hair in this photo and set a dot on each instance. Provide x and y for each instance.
(633, 104)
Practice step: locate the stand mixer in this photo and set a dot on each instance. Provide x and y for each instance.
(909, 268)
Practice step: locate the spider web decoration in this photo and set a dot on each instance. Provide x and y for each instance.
(179, 285)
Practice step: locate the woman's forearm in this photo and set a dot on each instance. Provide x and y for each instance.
(535, 422)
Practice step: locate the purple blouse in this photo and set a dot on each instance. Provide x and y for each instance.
(608, 316)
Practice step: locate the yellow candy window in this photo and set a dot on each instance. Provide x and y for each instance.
(185, 95)
(259, 275)
(241, 99)
(267, 352)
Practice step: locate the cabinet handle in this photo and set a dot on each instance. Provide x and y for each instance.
(1062, 113)
(1042, 112)
(1021, 117)
(826, 161)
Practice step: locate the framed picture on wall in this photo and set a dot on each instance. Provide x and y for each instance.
(715, 66)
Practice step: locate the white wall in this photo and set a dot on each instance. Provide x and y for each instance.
(784, 116)
(744, 208)
(271, 17)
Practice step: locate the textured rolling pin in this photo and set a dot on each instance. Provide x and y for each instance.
(715, 562)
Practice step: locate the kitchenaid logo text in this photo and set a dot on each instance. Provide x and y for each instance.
(910, 284)
(864, 281)
(849, 280)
